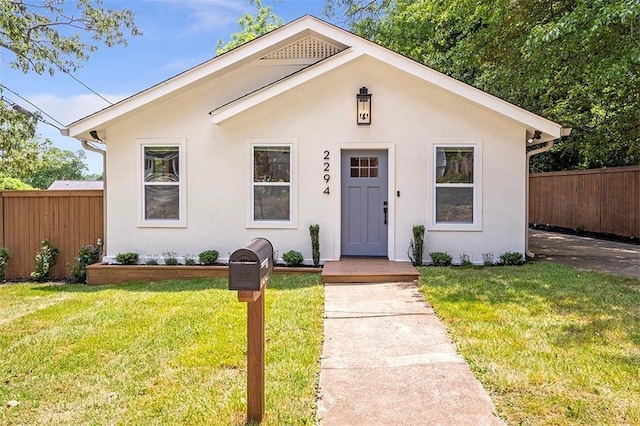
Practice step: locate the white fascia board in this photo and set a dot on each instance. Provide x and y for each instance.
(220, 64)
(249, 101)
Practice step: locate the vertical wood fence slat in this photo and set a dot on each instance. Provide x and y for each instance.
(66, 218)
(599, 200)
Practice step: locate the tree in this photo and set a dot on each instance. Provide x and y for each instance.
(18, 152)
(46, 36)
(252, 26)
(54, 164)
(37, 33)
(576, 62)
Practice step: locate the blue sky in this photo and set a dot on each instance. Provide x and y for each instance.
(178, 34)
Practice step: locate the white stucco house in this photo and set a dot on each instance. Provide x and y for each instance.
(272, 137)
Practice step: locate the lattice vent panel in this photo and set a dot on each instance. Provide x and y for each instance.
(307, 48)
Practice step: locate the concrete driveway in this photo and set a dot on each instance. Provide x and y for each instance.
(586, 253)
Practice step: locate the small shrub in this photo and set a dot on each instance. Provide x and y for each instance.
(4, 259)
(439, 258)
(511, 258)
(314, 230)
(151, 261)
(44, 261)
(465, 260)
(293, 258)
(170, 258)
(87, 255)
(189, 260)
(129, 258)
(487, 259)
(416, 246)
(208, 257)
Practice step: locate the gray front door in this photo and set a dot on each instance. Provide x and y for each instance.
(364, 203)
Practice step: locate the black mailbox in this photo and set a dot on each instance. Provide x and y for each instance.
(250, 265)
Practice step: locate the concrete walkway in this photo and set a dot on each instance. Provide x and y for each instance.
(586, 253)
(387, 360)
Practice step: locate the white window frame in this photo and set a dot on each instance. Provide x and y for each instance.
(292, 184)
(476, 225)
(182, 184)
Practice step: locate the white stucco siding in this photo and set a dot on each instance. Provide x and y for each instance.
(408, 118)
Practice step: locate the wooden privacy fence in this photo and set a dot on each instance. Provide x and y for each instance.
(68, 219)
(597, 200)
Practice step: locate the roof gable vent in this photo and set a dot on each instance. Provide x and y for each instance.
(307, 48)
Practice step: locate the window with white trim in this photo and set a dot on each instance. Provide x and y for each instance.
(455, 195)
(271, 186)
(162, 198)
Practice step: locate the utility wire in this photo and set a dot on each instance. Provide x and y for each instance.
(35, 106)
(88, 88)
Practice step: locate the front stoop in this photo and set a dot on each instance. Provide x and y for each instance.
(368, 270)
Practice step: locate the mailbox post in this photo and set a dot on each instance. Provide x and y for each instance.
(249, 270)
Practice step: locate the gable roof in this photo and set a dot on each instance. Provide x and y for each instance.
(318, 47)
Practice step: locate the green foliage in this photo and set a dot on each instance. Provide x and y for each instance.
(129, 258)
(512, 258)
(208, 257)
(170, 258)
(439, 258)
(4, 259)
(465, 260)
(18, 150)
(53, 43)
(56, 164)
(487, 259)
(44, 261)
(12, 184)
(314, 230)
(151, 261)
(252, 27)
(189, 260)
(575, 62)
(293, 258)
(416, 246)
(87, 255)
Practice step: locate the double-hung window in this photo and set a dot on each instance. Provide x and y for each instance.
(162, 178)
(272, 191)
(456, 197)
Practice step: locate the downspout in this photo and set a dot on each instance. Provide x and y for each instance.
(87, 146)
(547, 146)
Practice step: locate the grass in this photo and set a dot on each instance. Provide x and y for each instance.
(552, 345)
(172, 352)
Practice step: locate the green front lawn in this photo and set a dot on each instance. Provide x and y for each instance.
(552, 345)
(154, 353)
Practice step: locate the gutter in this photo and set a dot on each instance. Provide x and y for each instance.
(92, 148)
(547, 146)
(87, 146)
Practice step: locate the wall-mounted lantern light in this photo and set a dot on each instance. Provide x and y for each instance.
(364, 106)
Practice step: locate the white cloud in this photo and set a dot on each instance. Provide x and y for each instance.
(69, 109)
(207, 15)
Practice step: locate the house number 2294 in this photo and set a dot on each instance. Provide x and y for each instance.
(326, 170)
